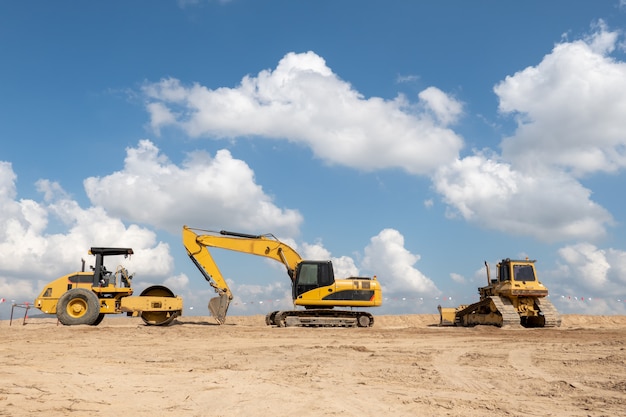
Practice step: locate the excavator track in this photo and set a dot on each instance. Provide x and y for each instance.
(550, 313)
(319, 318)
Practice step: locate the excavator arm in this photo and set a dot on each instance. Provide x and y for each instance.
(197, 242)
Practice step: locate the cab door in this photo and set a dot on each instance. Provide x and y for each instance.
(310, 277)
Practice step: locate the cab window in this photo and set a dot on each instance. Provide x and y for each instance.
(523, 273)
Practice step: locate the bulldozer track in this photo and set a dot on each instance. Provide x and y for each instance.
(510, 317)
(509, 314)
(550, 314)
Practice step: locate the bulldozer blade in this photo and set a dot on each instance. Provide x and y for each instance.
(218, 307)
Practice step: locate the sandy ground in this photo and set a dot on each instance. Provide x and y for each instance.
(403, 366)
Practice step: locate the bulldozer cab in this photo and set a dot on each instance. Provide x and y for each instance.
(520, 271)
(310, 275)
(524, 273)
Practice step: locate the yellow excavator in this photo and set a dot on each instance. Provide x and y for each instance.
(85, 297)
(515, 297)
(313, 282)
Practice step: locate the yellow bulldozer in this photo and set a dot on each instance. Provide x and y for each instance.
(85, 297)
(515, 297)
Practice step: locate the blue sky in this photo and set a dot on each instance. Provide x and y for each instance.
(407, 140)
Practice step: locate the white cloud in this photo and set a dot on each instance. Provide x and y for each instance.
(589, 306)
(570, 109)
(590, 280)
(303, 101)
(570, 112)
(177, 283)
(570, 123)
(30, 255)
(393, 264)
(493, 195)
(458, 278)
(314, 251)
(446, 109)
(599, 271)
(387, 258)
(343, 266)
(220, 190)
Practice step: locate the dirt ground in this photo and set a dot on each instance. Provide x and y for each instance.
(403, 366)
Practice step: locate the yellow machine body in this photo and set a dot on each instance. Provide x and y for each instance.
(514, 297)
(86, 297)
(313, 282)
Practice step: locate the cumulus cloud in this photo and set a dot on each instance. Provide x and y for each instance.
(569, 108)
(493, 195)
(177, 282)
(343, 266)
(458, 278)
(303, 101)
(598, 275)
(570, 122)
(205, 191)
(599, 271)
(386, 257)
(31, 254)
(394, 266)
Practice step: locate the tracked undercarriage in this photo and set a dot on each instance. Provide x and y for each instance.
(500, 311)
(319, 318)
(514, 298)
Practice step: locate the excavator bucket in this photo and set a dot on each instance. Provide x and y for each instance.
(218, 307)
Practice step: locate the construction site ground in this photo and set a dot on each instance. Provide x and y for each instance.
(403, 366)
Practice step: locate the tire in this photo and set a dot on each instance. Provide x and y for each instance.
(78, 306)
(98, 320)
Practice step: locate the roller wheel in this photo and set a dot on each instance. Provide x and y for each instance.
(78, 306)
(158, 318)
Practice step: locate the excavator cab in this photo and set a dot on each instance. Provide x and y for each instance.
(311, 275)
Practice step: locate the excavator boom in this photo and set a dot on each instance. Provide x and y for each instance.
(197, 245)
